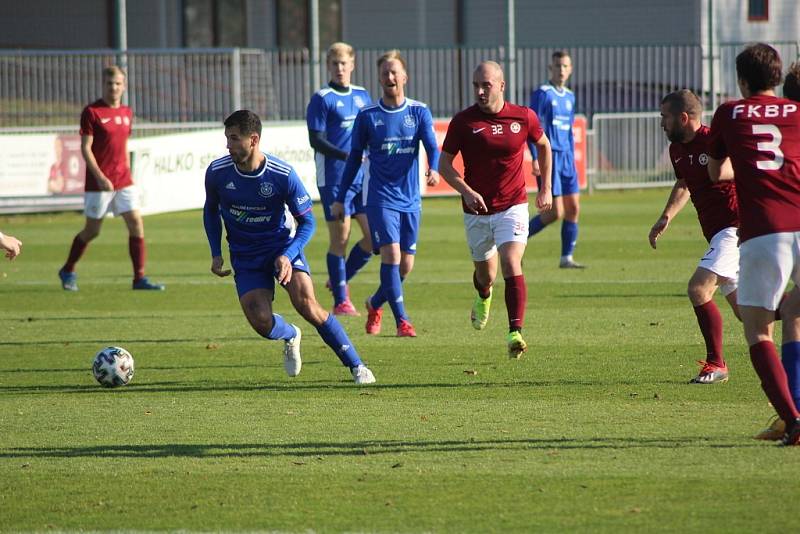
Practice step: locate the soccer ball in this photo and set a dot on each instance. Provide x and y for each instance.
(113, 367)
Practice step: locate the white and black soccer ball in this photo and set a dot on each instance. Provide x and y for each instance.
(113, 367)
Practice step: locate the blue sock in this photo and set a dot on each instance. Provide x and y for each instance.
(569, 236)
(392, 289)
(336, 277)
(335, 337)
(535, 226)
(379, 298)
(790, 356)
(357, 259)
(280, 328)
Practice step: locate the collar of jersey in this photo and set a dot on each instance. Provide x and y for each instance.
(403, 106)
(257, 174)
(343, 93)
(562, 92)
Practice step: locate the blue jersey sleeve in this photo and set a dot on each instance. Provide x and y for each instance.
(299, 202)
(316, 114)
(357, 146)
(211, 216)
(428, 136)
(538, 101)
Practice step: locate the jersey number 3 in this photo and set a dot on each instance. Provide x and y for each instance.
(773, 146)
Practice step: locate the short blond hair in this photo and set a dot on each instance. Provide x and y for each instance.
(340, 49)
(392, 55)
(113, 70)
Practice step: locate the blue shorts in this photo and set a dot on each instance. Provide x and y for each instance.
(565, 176)
(258, 272)
(353, 204)
(391, 226)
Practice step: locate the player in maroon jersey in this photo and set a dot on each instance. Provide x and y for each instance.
(715, 203)
(761, 135)
(105, 128)
(491, 136)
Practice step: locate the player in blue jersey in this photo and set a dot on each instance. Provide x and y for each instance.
(554, 103)
(251, 192)
(330, 116)
(391, 131)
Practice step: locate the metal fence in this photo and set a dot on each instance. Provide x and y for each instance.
(51, 87)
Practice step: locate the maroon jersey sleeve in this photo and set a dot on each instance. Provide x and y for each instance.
(716, 145)
(535, 130)
(87, 122)
(452, 140)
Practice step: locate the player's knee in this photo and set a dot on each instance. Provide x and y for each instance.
(699, 293)
(261, 321)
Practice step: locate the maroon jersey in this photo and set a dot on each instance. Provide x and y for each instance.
(715, 203)
(110, 128)
(493, 148)
(761, 135)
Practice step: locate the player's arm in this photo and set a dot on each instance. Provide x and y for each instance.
(319, 142)
(537, 97)
(213, 226)
(544, 197)
(717, 151)
(678, 198)
(354, 160)
(472, 199)
(428, 136)
(299, 202)
(91, 164)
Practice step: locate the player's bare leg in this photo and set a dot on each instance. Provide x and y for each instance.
(483, 279)
(301, 293)
(257, 307)
(91, 229)
(138, 251)
(516, 294)
(702, 286)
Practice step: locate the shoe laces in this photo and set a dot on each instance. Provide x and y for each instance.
(708, 367)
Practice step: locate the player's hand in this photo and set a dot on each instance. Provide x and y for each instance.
(283, 270)
(658, 229)
(337, 211)
(11, 245)
(474, 202)
(544, 199)
(432, 178)
(105, 184)
(216, 267)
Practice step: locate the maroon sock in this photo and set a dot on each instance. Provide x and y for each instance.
(516, 297)
(75, 252)
(770, 370)
(483, 291)
(778, 310)
(138, 256)
(710, 321)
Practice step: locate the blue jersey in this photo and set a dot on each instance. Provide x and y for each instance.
(392, 137)
(334, 112)
(253, 206)
(556, 111)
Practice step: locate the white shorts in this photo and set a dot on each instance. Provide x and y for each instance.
(722, 258)
(766, 264)
(98, 204)
(486, 232)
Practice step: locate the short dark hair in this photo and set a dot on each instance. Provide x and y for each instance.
(683, 101)
(560, 54)
(759, 65)
(247, 122)
(791, 85)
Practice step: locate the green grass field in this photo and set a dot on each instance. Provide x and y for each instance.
(594, 429)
